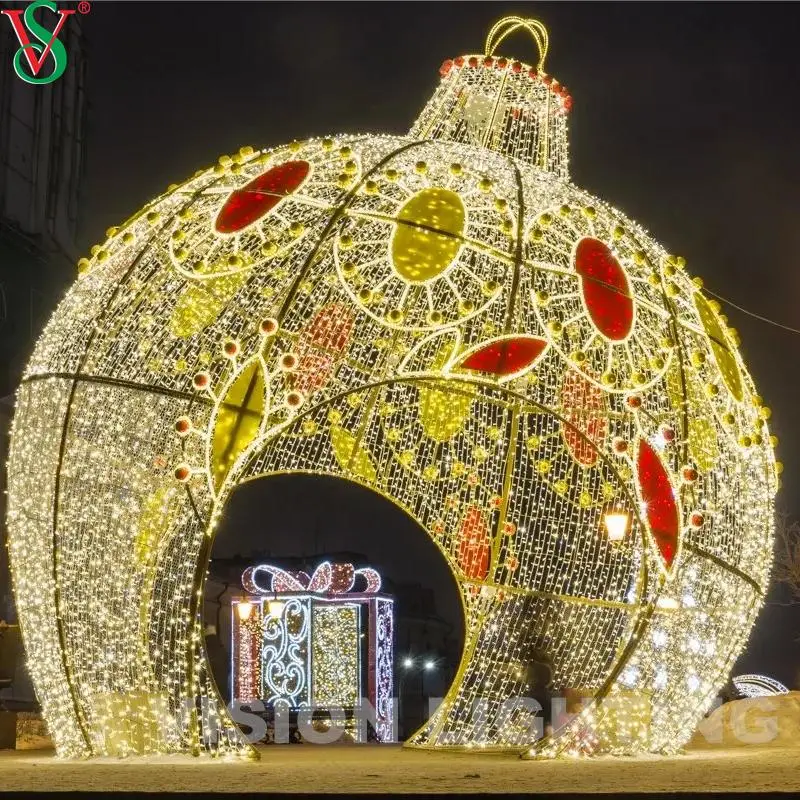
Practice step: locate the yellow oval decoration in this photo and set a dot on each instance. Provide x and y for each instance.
(238, 420)
(723, 354)
(703, 444)
(201, 302)
(427, 233)
(351, 457)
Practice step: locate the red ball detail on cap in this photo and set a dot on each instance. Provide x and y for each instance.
(634, 401)
(445, 68)
(201, 380)
(689, 474)
(182, 425)
(230, 348)
(459, 61)
(516, 67)
(668, 433)
(488, 61)
(568, 102)
(697, 519)
(533, 74)
(547, 80)
(620, 445)
(473, 62)
(502, 63)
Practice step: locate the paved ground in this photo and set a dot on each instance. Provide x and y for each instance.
(380, 768)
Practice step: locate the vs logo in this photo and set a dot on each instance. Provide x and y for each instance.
(35, 54)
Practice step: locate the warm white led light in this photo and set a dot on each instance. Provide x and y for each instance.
(275, 607)
(443, 318)
(616, 524)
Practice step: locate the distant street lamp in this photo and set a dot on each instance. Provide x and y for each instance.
(428, 665)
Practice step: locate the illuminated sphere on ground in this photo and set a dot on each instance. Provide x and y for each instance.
(444, 319)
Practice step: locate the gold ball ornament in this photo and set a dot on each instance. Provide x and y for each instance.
(380, 309)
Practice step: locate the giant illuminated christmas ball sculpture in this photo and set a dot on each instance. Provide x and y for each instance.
(445, 319)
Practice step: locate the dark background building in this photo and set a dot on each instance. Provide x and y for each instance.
(43, 140)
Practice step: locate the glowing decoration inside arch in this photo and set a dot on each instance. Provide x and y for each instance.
(297, 639)
(440, 317)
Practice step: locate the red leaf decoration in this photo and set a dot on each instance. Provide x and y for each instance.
(248, 204)
(320, 345)
(584, 405)
(662, 510)
(474, 544)
(505, 357)
(605, 288)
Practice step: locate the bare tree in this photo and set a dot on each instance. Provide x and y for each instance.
(787, 555)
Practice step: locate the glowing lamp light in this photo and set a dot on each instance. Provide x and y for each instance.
(244, 610)
(408, 663)
(616, 523)
(275, 608)
(429, 665)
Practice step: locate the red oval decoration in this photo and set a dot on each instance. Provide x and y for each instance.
(474, 545)
(503, 357)
(248, 204)
(605, 288)
(585, 410)
(656, 492)
(320, 345)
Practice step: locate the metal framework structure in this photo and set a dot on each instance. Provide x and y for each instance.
(444, 319)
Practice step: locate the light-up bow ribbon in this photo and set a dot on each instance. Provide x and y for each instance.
(327, 577)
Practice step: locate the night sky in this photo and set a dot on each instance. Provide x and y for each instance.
(685, 117)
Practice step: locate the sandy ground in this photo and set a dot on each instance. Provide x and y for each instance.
(380, 768)
(732, 754)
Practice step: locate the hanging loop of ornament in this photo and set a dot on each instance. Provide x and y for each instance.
(502, 29)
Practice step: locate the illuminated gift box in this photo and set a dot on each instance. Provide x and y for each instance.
(300, 640)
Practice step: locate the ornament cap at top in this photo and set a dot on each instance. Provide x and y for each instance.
(501, 103)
